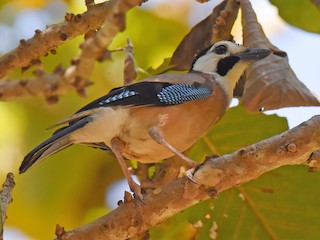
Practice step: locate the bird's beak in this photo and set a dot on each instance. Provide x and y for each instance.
(253, 54)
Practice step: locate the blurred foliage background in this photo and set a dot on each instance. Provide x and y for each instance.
(70, 188)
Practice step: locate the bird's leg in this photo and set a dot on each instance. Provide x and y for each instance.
(156, 135)
(117, 149)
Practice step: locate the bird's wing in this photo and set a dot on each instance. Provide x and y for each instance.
(149, 93)
(74, 118)
(57, 142)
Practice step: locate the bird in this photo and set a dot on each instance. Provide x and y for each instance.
(157, 117)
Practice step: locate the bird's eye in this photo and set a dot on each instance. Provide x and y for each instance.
(220, 49)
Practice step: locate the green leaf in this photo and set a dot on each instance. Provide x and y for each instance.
(237, 129)
(300, 13)
(279, 205)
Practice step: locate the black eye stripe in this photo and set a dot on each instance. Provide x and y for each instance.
(220, 49)
(226, 64)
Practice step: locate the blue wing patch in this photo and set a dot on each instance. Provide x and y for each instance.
(180, 93)
(122, 95)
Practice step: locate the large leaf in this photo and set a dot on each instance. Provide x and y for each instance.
(300, 13)
(270, 83)
(282, 204)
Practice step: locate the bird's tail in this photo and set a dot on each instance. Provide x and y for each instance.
(57, 142)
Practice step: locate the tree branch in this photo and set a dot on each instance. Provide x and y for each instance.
(5, 199)
(95, 47)
(76, 76)
(49, 85)
(53, 36)
(132, 218)
(43, 41)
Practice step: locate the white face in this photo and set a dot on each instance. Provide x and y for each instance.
(219, 62)
(209, 61)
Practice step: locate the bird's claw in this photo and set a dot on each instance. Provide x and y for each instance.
(189, 174)
(136, 189)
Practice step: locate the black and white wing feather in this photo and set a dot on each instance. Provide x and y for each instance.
(151, 94)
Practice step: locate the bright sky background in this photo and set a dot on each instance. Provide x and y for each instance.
(302, 48)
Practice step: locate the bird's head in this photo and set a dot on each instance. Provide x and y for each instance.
(227, 61)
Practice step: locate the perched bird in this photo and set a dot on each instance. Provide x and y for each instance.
(158, 117)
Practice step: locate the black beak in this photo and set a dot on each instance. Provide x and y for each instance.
(253, 54)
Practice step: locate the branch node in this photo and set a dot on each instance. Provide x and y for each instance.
(69, 17)
(157, 191)
(53, 51)
(132, 231)
(212, 192)
(36, 62)
(78, 18)
(281, 151)
(127, 197)
(59, 70)
(23, 42)
(82, 92)
(38, 31)
(63, 36)
(314, 161)
(292, 147)
(242, 152)
(120, 202)
(60, 232)
(52, 99)
(191, 189)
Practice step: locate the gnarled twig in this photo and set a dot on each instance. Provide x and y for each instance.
(5, 199)
(77, 75)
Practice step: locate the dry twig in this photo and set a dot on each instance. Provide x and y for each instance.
(43, 41)
(5, 199)
(77, 75)
(129, 71)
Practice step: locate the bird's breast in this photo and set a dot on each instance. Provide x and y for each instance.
(181, 126)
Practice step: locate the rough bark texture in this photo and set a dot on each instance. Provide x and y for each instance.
(5, 199)
(110, 14)
(43, 41)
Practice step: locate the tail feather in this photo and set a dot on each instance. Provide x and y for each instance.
(57, 142)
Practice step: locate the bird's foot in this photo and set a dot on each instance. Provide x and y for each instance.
(156, 135)
(136, 189)
(189, 174)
